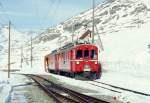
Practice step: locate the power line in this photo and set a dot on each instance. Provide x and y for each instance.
(51, 11)
(47, 13)
(56, 10)
(93, 19)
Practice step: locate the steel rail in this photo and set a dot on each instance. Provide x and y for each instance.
(84, 98)
(105, 88)
(121, 88)
(54, 93)
(50, 93)
(81, 97)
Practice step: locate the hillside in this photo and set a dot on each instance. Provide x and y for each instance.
(111, 17)
(123, 26)
(124, 29)
(120, 23)
(18, 40)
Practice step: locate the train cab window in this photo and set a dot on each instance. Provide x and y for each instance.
(86, 53)
(93, 54)
(79, 54)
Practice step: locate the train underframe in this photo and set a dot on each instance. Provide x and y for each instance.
(77, 75)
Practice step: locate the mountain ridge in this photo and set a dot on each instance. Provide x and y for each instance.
(110, 16)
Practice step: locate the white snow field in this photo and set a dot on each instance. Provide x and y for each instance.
(5, 88)
(124, 29)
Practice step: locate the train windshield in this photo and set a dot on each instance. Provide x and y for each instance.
(79, 54)
(86, 53)
(93, 54)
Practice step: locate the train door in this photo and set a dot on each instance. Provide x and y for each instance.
(46, 64)
(71, 60)
(56, 62)
(86, 63)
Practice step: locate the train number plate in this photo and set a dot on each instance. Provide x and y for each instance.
(87, 69)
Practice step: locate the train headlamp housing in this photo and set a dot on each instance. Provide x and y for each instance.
(96, 62)
(77, 62)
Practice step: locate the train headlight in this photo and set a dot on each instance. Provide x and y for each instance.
(77, 62)
(95, 62)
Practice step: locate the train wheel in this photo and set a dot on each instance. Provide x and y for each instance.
(92, 76)
(72, 75)
(99, 72)
(58, 72)
(48, 70)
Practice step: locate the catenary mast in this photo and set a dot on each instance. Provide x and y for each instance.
(93, 2)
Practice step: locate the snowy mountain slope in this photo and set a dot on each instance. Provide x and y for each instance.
(49, 34)
(124, 29)
(110, 17)
(114, 15)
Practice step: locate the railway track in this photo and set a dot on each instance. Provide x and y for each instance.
(61, 94)
(115, 88)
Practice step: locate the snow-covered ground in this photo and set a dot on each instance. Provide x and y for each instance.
(6, 85)
(126, 58)
(5, 88)
(124, 96)
(124, 30)
(19, 89)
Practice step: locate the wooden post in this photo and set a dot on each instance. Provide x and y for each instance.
(21, 56)
(101, 44)
(9, 50)
(93, 22)
(31, 51)
(73, 31)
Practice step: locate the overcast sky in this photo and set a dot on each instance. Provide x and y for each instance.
(38, 14)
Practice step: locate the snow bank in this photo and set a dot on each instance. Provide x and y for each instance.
(125, 59)
(5, 88)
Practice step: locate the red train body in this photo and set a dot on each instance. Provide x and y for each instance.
(74, 60)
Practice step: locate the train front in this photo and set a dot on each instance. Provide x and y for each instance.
(86, 61)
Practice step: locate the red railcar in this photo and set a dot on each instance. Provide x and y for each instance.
(74, 60)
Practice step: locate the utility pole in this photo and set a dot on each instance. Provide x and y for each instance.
(9, 50)
(72, 31)
(93, 21)
(31, 51)
(21, 56)
(100, 41)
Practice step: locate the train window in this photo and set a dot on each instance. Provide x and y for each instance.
(79, 54)
(86, 53)
(93, 54)
(71, 54)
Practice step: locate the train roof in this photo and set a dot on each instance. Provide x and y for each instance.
(70, 45)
